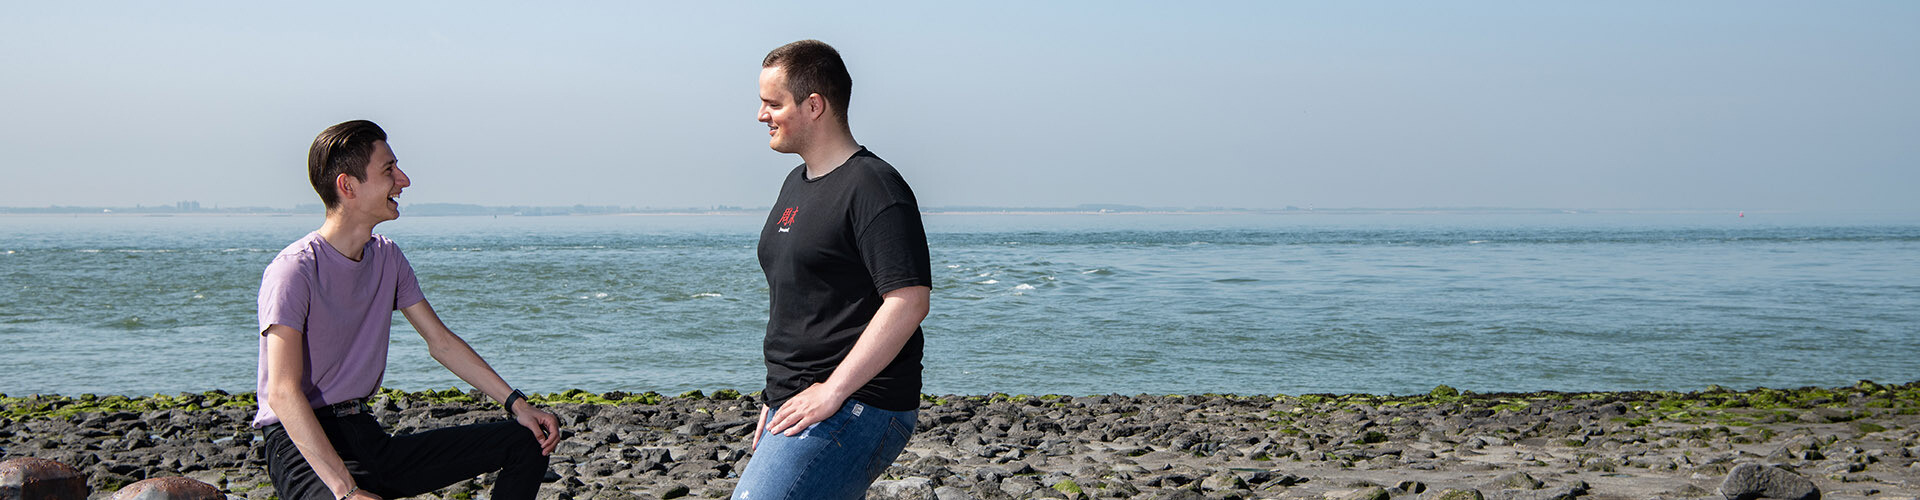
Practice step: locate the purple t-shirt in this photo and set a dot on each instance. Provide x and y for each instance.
(344, 309)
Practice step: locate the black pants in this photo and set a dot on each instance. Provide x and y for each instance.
(404, 466)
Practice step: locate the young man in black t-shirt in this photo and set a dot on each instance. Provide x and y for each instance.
(848, 279)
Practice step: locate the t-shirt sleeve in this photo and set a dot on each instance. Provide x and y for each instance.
(893, 245)
(284, 296)
(407, 292)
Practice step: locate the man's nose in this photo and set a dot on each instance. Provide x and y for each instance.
(400, 178)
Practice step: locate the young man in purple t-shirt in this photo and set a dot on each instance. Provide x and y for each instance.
(326, 304)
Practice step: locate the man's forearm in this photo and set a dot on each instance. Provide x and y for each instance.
(461, 359)
(454, 353)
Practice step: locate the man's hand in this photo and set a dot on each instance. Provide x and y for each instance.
(363, 495)
(545, 427)
(809, 407)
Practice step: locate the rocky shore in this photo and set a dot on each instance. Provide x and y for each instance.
(1860, 441)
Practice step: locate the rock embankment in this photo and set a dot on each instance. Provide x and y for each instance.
(1859, 441)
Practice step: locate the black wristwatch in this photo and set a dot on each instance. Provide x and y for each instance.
(509, 402)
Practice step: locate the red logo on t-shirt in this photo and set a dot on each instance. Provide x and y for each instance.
(786, 217)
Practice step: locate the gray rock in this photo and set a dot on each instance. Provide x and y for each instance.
(1019, 487)
(913, 488)
(1222, 482)
(1750, 481)
(1555, 493)
(676, 491)
(951, 493)
(1688, 491)
(1453, 494)
(1844, 468)
(1514, 480)
(1368, 493)
(1179, 494)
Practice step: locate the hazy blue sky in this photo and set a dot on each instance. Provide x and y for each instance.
(1638, 105)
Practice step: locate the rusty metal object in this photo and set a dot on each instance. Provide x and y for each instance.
(169, 488)
(29, 478)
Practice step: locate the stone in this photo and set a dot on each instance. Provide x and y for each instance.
(1179, 494)
(1750, 481)
(1568, 492)
(1222, 482)
(1453, 494)
(29, 478)
(169, 488)
(1019, 487)
(913, 488)
(951, 493)
(1369, 493)
(1688, 491)
(1514, 480)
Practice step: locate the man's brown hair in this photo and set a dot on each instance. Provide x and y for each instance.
(341, 149)
(813, 67)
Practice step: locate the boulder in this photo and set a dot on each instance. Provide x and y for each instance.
(1222, 482)
(1453, 494)
(169, 488)
(1516, 481)
(913, 488)
(1369, 493)
(1750, 481)
(951, 493)
(29, 478)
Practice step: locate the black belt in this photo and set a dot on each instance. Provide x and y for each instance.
(349, 407)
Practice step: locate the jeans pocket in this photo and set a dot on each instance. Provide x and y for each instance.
(893, 440)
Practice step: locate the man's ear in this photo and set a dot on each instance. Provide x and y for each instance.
(343, 184)
(816, 106)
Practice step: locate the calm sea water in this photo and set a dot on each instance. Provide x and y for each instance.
(1070, 304)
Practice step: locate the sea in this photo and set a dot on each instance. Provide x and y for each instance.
(1391, 302)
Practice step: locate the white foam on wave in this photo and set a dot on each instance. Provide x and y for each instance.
(949, 266)
(600, 295)
(1023, 286)
(987, 282)
(1476, 242)
(706, 294)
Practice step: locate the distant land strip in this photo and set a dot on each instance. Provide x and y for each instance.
(466, 209)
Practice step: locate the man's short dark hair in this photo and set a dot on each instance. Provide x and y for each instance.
(341, 149)
(813, 67)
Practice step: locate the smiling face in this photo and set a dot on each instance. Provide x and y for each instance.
(779, 109)
(376, 197)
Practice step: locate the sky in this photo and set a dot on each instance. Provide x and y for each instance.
(1599, 105)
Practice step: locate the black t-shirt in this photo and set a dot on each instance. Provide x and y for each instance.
(831, 246)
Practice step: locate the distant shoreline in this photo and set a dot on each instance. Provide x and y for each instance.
(563, 212)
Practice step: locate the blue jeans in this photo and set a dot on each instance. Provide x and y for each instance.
(836, 458)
